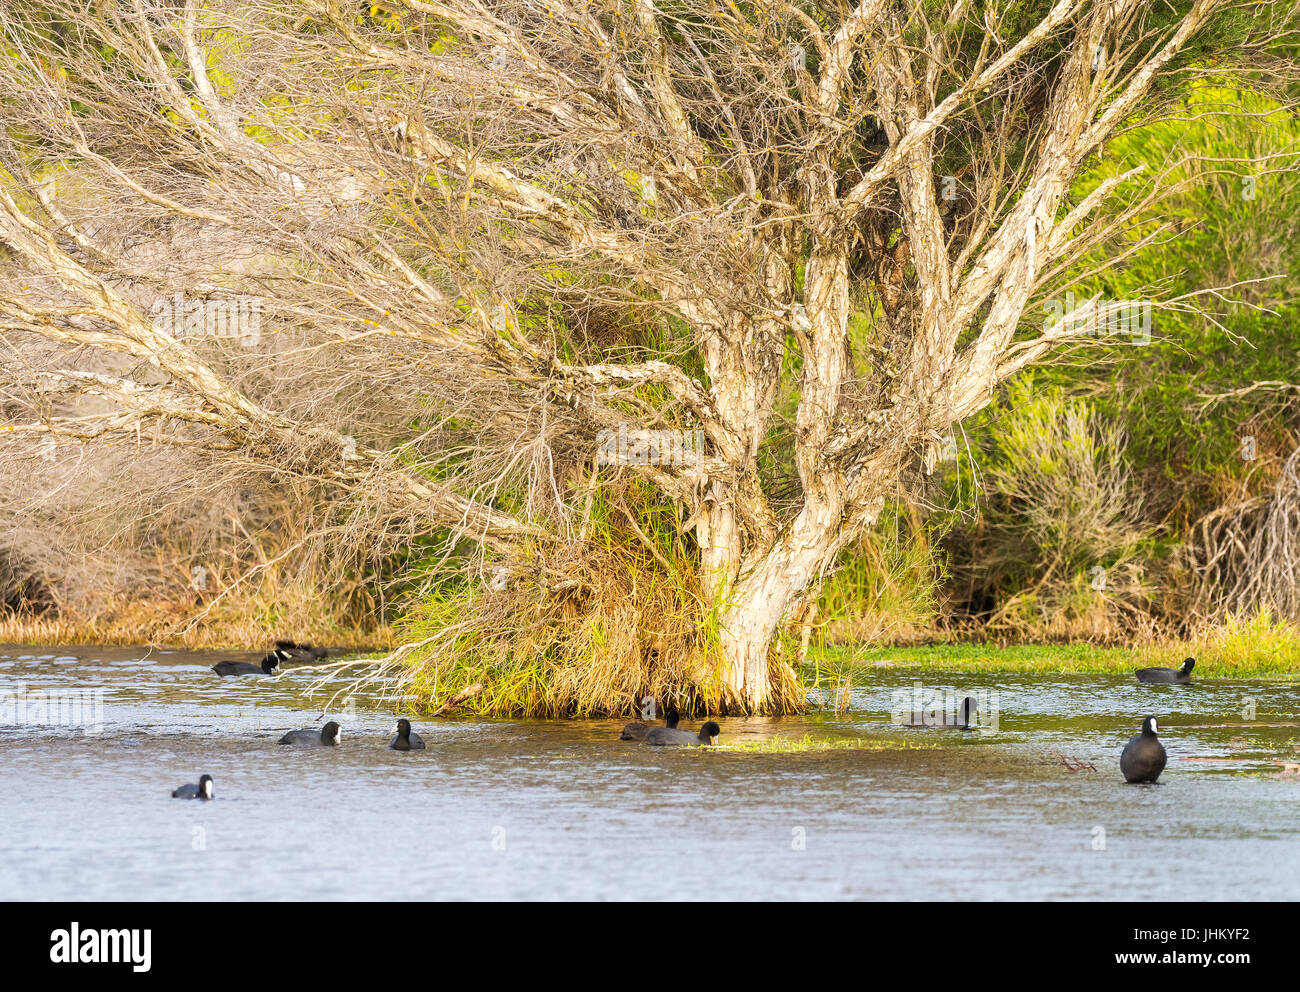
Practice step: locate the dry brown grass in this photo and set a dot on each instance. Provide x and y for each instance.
(244, 619)
(1060, 549)
(1245, 555)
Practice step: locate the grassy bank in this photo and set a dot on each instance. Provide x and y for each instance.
(1240, 647)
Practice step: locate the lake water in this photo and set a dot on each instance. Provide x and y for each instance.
(543, 810)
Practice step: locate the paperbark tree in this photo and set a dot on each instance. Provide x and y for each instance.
(852, 205)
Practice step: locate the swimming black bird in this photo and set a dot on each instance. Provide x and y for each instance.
(636, 730)
(289, 653)
(659, 736)
(1144, 756)
(327, 736)
(405, 740)
(201, 791)
(960, 720)
(1183, 676)
(267, 667)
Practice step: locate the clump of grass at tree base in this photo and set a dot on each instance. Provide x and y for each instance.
(582, 628)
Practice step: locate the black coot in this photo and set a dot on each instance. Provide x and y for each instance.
(637, 731)
(201, 791)
(267, 667)
(327, 736)
(1182, 676)
(405, 740)
(1144, 756)
(659, 736)
(289, 653)
(961, 720)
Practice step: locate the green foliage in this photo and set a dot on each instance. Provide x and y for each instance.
(1228, 228)
(889, 585)
(1136, 413)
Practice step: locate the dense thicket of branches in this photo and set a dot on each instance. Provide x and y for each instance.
(483, 232)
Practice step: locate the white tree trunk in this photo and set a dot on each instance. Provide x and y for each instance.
(753, 606)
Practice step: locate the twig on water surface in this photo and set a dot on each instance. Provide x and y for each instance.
(1073, 764)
